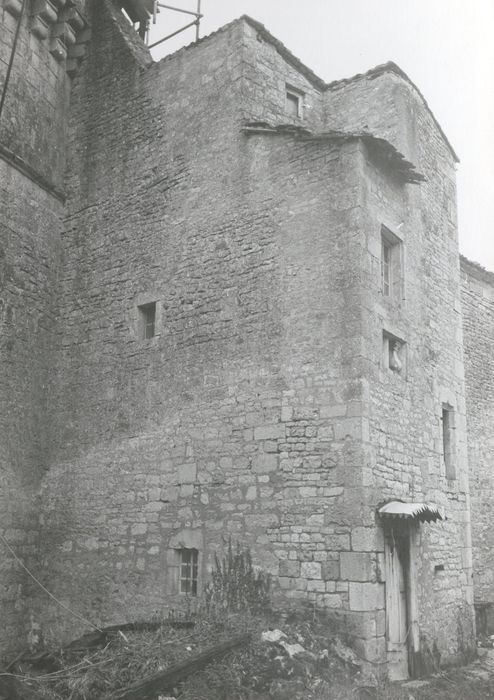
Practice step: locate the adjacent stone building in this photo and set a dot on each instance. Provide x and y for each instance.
(231, 308)
(478, 325)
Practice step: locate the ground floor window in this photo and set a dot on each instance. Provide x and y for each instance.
(189, 559)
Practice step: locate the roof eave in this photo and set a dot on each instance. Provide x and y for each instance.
(391, 67)
(383, 151)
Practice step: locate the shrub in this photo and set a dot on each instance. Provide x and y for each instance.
(236, 585)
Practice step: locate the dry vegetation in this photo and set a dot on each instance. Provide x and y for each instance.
(236, 602)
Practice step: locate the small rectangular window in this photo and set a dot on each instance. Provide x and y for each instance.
(448, 430)
(189, 559)
(147, 320)
(293, 102)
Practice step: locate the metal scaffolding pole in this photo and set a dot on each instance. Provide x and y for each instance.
(197, 21)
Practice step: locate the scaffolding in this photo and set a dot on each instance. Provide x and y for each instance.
(197, 21)
(140, 13)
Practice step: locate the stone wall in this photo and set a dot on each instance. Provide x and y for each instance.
(29, 239)
(31, 168)
(34, 117)
(478, 330)
(402, 410)
(399, 415)
(232, 421)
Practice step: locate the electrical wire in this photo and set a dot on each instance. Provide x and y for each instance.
(63, 673)
(62, 605)
(12, 55)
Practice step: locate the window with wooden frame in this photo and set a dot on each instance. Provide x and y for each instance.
(188, 573)
(391, 265)
(293, 102)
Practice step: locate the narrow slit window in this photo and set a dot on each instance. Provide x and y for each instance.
(189, 559)
(449, 452)
(147, 314)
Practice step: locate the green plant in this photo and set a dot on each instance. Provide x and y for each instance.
(235, 584)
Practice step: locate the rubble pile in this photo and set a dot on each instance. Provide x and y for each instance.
(241, 657)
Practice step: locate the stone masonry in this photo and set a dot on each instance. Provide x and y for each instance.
(478, 325)
(282, 397)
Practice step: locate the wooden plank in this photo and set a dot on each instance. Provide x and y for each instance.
(98, 638)
(163, 681)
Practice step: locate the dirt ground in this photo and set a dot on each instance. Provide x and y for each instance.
(472, 682)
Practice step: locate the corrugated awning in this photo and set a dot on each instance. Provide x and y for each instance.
(425, 512)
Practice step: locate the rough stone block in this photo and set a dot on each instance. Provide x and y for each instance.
(367, 539)
(348, 428)
(314, 585)
(289, 568)
(366, 596)
(139, 529)
(187, 473)
(333, 411)
(286, 414)
(373, 650)
(357, 566)
(337, 543)
(333, 601)
(331, 570)
(269, 432)
(310, 569)
(305, 413)
(263, 463)
(251, 493)
(169, 493)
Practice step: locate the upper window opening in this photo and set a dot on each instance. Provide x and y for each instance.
(448, 428)
(293, 103)
(147, 319)
(189, 559)
(391, 272)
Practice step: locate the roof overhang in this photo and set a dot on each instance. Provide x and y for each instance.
(425, 512)
(386, 155)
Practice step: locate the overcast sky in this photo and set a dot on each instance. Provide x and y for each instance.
(445, 46)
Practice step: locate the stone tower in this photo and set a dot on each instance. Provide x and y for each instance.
(33, 124)
(255, 334)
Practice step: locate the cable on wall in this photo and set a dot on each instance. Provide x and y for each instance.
(12, 56)
(62, 605)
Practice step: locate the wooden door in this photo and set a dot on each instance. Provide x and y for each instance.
(397, 563)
